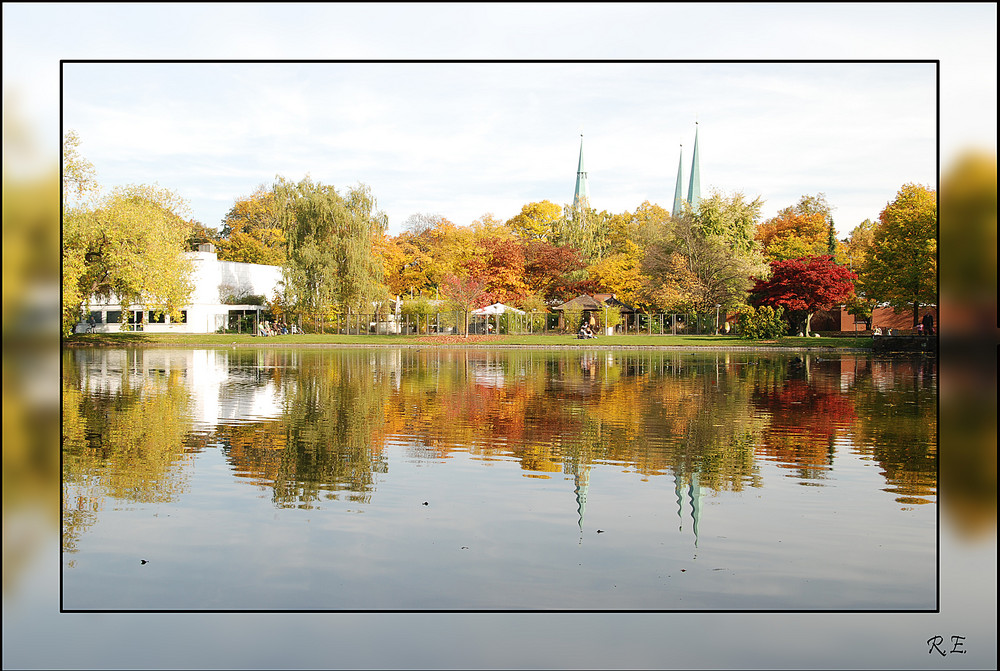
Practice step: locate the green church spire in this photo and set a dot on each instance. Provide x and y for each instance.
(679, 189)
(694, 186)
(581, 198)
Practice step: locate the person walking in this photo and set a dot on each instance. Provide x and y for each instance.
(928, 324)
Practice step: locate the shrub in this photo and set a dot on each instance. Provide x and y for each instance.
(763, 323)
(572, 320)
(614, 318)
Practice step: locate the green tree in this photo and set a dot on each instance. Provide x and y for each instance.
(127, 244)
(901, 265)
(764, 322)
(587, 231)
(710, 254)
(331, 242)
(639, 227)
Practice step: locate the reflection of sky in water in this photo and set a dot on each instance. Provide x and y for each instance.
(540, 494)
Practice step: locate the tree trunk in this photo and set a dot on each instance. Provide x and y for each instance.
(809, 316)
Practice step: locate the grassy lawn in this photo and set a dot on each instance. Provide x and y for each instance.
(217, 339)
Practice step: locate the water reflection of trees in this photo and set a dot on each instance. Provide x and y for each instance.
(553, 413)
(806, 411)
(124, 434)
(328, 439)
(897, 423)
(699, 417)
(884, 409)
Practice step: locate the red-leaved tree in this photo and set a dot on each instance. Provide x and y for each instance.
(808, 284)
(469, 293)
(548, 269)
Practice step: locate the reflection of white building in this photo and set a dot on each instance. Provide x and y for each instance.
(221, 288)
(489, 372)
(220, 389)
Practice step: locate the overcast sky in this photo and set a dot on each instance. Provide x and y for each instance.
(465, 139)
(462, 140)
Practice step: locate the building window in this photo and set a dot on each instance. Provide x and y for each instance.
(183, 319)
(114, 316)
(155, 317)
(96, 317)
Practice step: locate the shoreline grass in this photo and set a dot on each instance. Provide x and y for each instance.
(131, 339)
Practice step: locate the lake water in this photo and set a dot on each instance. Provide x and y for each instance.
(451, 479)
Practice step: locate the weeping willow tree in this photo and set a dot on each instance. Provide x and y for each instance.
(331, 265)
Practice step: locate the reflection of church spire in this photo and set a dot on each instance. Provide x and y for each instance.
(581, 478)
(679, 491)
(694, 493)
(694, 496)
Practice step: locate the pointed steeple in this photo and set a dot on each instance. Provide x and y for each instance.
(694, 186)
(679, 188)
(581, 198)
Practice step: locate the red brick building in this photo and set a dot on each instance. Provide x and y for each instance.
(883, 317)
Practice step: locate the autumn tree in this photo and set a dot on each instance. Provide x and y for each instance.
(800, 230)
(805, 285)
(552, 271)
(127, 244)
(251, 231)
(499, 263)
(901, 266)
(405, 264)
(466, 292)
(447, 247)
(79, 176)
(536, 221)
(857, 245)
(419, 223)
(853, 253)
(638, 227)
(331, 262)
(622, 274)
(199, 234)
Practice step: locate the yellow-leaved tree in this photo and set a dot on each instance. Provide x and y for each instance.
(622, 275)
(251, 231)
(127, 244)
(797, 231)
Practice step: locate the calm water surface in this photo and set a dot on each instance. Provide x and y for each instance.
(384, 479)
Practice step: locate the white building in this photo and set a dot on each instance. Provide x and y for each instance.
(219, 287)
